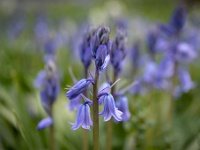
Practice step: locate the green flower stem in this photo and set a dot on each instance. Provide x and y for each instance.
(85, 132)
(109, 124)
(95, 113)
(51, 137)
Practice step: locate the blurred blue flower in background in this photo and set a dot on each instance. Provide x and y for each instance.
(119, 51)
(122, 105)
(48, 83)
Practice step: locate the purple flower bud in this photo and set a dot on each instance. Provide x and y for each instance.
(185, 80)
(178, 18)
(83, 118)
(118, 51)
(101, 37)
(102, 58)
(44, 123)
(152, 37)
(78, 88)
(122, 104)
(109, 108)
(85, 52)
(135, 55)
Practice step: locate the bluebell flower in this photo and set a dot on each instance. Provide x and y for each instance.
(135, 55)
(47, 81)
(152, 37)
(166, 67)
(122, 105)
(178, 18)
(49, 93)
(44, 123)
(185, 80)
(118, 51)
(100, 47)
(41, 30)
(150, 72)
(84, 48)
(78, 88)
(109, 108)
(185, 53)
(50, 47)
(83, 117)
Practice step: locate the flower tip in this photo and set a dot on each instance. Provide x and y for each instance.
(44, 123)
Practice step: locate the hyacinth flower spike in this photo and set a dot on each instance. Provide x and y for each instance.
(83, 117)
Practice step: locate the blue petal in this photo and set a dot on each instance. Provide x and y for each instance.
(106, 62)
(44, 123)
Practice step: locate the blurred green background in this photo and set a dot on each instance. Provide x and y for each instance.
(21, 58)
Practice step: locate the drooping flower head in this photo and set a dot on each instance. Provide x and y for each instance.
(100, 47)
(118, 51)
(185, 52)
(83, 117)
(84, 49)
(109, 107)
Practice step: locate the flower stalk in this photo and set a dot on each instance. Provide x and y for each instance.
(95, 112)
(85, 132)
(51, 138)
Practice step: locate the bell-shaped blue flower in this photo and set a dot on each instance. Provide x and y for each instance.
(78, 88)
(185, 80)
(109, 108)
(122, 105)
(83, 117)
(185, 53)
